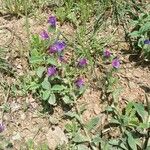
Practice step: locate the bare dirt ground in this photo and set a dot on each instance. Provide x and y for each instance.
(24, 119)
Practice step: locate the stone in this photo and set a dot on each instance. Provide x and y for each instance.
(55, 137)
(14, 106)
(16, 136)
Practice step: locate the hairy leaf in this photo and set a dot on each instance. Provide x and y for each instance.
(92, 123)
(57, 87)
(40, 71)
(79, 138)
(140, 110)
(46, 84)
(46, 94)
(131, 141)
(52, 99)
(82, 147)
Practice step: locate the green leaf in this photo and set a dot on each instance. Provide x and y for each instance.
(61, 13)
(40, 71)
(52, 61)
(58, 87)
(51, 29)
(36, 60)
(52, 99)
(82, 147)
(141, 42)
(43, 147)
(134, 22)
(144, 125)
(46, 94)
(115, 121)
(68, 127)
(140, 110)
(82, 109)
(134, 122)
(30, 144)
(72, 17)
(118, 143)
(92, 123)
(109, 109)
(82, 90)
(129, 108)
(79, 138)
(134, 34)
(105, 145)
(148, 148)
(116, 94)
(145, 28)
(34, 86)
(73, 115)
(131, 141)
(67, 99)
(96, 139)
(46, 84)
(72, 127)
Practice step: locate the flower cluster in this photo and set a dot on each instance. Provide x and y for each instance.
(82, 62)
(79, 82)
(52, 21)
(107, 53)
(57, 48)
(44, 35)
(52, 71)
(115, 62)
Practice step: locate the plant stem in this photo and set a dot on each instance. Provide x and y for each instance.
(85, 131)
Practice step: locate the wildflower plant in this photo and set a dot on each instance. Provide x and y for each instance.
(110, 79)
(55, 79)
(140, 35)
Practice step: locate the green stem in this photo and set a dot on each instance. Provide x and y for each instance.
(85, 131)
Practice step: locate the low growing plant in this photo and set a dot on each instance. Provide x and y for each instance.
(55, 78)
(141, 35)
(134, 125)
(82, 135)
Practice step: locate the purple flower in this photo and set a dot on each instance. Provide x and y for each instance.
(51, 71)
(58, 46)
(52, 21)
(116, 63)
(107, 53)
(147, 42)
(79, 82)
(44, 35)
(53, 49)
(2, 128)
(82, 62)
